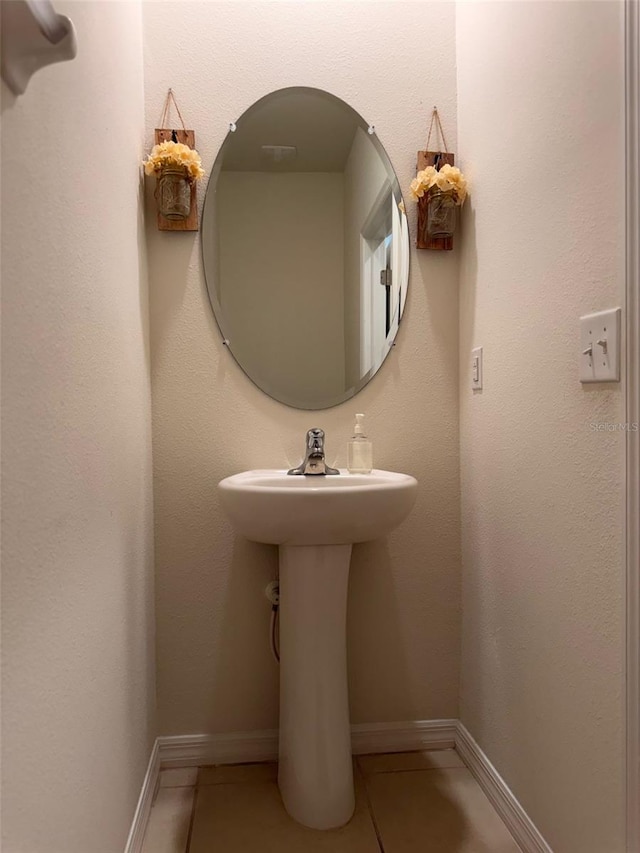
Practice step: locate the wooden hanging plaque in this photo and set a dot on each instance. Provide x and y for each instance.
(428, 158)
(187, 137)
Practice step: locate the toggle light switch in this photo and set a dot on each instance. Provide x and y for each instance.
(476, 368)
(600, 346)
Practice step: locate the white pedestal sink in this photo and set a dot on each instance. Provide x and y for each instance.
(315, 520)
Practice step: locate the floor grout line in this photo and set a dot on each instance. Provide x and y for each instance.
(376, 829)
(192, 817)
(411, 770)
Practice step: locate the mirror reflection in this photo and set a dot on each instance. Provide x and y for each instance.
(306, 248)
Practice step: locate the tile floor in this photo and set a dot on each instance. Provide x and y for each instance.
(410, 802)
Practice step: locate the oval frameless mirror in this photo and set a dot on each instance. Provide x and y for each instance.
(306, 248)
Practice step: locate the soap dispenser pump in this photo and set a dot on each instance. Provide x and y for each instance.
(360, 451)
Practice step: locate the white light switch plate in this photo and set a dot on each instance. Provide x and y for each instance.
(476, 368)
(600, 347)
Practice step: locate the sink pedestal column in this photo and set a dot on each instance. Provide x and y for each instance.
(315, 773)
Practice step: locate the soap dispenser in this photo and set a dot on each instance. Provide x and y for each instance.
(360, 451)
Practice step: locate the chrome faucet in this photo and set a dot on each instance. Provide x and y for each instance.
(314, 462)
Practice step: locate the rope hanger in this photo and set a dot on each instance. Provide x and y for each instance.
(166, 113)
(434, 118)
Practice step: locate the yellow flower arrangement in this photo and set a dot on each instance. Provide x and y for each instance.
(448, 180)
(174, 154)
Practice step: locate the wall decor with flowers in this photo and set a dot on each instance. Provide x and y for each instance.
(177, 168)
(440, 189)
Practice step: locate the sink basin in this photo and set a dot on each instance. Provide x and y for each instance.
(279, 509)
(315, 520)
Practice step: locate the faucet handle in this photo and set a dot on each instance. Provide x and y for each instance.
(314, 461)
(315, 447)
(315, 439)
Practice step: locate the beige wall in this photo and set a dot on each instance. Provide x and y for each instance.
(540, 127)
(281, 274)
(540, 93)
(77, 591)
(215, 672)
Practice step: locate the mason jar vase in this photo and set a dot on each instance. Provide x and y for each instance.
(173, 192)
(441, 219)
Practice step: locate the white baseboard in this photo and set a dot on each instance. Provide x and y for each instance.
(369, 738)
(241, 747)
(230, 748)
(145, 801)
(366, 738)
(517, 820)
